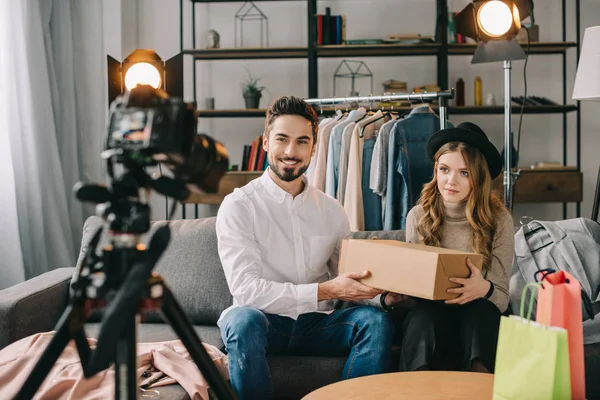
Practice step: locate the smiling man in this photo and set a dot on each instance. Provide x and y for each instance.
(279, 243)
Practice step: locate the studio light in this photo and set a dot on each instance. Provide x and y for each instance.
(494, 24)
(144, 66)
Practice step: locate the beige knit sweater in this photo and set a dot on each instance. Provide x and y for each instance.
(458, 234)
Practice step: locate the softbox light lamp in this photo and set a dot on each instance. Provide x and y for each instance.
(494, 24)
(145, 66)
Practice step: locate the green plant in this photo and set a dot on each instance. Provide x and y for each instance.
(250, 86)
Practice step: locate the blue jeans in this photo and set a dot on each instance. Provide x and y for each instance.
(362, 333)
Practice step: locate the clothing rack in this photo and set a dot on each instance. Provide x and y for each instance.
(442, 98)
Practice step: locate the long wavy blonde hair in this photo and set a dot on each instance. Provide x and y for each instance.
(482, 209)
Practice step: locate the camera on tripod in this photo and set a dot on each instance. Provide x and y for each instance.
(145, 128)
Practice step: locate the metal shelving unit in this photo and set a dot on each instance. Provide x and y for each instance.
(440, 49)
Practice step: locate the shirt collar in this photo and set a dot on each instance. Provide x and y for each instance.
(278, 193)
(424, 109)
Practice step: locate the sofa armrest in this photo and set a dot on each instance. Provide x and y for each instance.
(33, 306)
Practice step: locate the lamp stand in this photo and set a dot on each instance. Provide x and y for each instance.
(509, 176)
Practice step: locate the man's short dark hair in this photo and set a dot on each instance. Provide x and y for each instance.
(291, 105)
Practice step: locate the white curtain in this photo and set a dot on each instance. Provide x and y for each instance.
(52, 82)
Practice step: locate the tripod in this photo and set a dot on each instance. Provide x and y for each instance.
(122, 279)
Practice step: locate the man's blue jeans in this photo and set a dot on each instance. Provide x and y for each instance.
(362, 333)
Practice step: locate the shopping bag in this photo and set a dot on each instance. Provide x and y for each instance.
(559, 304)
(532, 360)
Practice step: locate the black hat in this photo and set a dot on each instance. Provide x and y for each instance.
(471, 134)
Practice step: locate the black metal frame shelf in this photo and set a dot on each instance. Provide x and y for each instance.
(440, 49)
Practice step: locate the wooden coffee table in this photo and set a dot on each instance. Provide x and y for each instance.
(423, 385)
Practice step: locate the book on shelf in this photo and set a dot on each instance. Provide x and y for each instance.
(331, 29)
(254, 156)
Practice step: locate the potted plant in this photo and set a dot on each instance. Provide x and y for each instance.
(252, 92)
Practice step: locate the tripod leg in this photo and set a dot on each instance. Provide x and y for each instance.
(46, 362)
(183, 328)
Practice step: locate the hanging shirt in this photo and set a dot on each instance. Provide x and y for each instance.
(343, 167)
(353, 203)
(320, 159)
(311, 171)
(276, 248)
(333, 154)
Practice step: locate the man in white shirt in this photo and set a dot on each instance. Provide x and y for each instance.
(279, 245)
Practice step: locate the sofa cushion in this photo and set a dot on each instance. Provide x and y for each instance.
(190, 267)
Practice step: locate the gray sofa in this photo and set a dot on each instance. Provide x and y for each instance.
(191, 268)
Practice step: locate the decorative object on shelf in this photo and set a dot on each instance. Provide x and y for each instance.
(252, 92)
(250, 12)
(478, 91)
(490, 99)
(460, 92)
(353, 70)
(213, 39)
(394, 86)
(209, 103)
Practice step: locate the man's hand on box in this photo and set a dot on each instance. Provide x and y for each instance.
(346, 287)
(473, 288)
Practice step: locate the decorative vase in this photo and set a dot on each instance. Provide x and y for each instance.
(252, 100)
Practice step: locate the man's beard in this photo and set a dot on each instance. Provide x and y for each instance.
(289, 174)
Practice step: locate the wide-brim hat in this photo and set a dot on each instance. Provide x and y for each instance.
(471, 134)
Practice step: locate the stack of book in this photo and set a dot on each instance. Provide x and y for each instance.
(331, 29)
(255, 157)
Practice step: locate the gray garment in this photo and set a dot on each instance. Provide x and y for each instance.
(378, 177)
(333, 152)
(571, 245)
(343, 167)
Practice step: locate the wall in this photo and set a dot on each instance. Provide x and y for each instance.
(157, 23)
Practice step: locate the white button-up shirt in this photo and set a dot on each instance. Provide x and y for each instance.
(275, 249)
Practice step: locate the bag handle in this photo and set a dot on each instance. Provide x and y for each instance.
(533, 286)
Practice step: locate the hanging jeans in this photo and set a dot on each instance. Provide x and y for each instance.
(397, 187)
(409, 167)
(371, 201)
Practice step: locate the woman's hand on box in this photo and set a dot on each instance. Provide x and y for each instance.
(473, 288)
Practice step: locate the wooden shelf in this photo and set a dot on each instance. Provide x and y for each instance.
(248, 53)
(378, 50)
(367, 50)
(545, 186)
(534, 48)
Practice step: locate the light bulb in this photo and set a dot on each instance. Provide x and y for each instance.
(142, 74)
(495, 18)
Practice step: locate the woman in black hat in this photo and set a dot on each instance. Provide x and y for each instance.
(458, 209)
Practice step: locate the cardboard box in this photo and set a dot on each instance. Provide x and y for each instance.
(412, 269)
